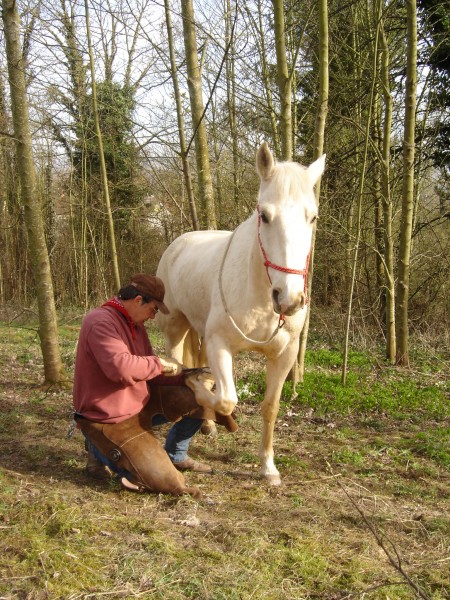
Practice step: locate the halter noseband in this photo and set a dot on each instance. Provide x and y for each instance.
(268, 263)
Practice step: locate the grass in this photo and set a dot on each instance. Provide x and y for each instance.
(384, 437)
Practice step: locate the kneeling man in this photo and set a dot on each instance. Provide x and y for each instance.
(121, 389)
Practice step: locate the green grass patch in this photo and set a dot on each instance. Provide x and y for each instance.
(396, 398)
(434, 444)
(368, 390)
(332, 359)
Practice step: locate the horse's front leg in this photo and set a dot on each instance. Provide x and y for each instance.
(220, 361)
(276, 374)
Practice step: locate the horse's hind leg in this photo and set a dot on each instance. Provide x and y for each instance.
(193, 354)
(208, 427)
(174, 327)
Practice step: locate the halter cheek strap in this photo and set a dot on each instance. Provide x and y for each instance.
(268, 263)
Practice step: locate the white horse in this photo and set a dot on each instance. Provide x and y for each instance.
(246, 290)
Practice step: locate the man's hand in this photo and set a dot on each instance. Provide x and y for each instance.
(170, 366)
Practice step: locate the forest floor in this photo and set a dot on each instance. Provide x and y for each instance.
(363, 510)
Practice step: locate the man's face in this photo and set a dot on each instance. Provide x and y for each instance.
(141, 311)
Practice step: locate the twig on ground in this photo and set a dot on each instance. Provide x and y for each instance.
(395, 561)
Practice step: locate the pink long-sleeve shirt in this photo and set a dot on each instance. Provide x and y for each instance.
(112, 368)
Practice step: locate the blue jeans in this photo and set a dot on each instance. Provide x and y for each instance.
(179, 436)
(176, 446)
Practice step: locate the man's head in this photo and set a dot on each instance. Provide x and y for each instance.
(143, 297)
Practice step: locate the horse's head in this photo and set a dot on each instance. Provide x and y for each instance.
(287, 210)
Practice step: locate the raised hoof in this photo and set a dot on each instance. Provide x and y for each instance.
(272, 480)
(225, 407)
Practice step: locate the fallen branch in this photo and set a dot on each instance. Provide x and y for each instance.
(395, 561)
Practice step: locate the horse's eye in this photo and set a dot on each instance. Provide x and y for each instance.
(314, 218)
(264, 218)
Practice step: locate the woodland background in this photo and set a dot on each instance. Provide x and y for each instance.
(144, 118)
(124, 124)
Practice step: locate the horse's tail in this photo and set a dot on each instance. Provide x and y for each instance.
(194, 354)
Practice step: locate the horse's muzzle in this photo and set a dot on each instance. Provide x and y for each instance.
(283, 308)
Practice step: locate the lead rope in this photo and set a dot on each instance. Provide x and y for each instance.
(257, 342)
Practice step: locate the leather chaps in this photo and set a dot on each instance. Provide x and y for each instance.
(132, 446)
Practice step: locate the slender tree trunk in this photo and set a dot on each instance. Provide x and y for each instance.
(180, 121)
(261, 43)
(37, 249)
(206, 194)
(218, 171)
(408, 186)
(284, 81)
(231, 103)
(112, 237)
(356, 71)
(298, 370)
(380, 296)
(360, 198)
(387, 204)
(4, 190)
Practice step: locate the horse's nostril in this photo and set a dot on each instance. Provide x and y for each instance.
(275, 295)
(302, 299)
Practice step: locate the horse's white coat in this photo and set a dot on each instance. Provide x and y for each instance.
(190, 270)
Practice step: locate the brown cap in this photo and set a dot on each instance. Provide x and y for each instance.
(151, 287)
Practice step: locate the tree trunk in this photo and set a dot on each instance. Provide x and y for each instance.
(379, 299)
(265, 72)
(298, 370)
(180, 120)
(284, 81)
(112, 237)
(360, 199)
(231, 102)
(387, 204)
(206, 194)
(408, 186)
(48, 328)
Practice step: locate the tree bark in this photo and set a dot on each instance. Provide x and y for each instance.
(208, 217)
(407, 187)
(284, 81)
(37, 248)
(298, 371)
(265, 72)
(387, 203)
(180, 121)
(231, 101)
(360, 200)
(112, 237)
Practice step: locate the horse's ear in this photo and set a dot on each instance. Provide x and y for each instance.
(264, 161)
(315, 169)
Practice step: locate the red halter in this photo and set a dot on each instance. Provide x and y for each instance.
(272, 265)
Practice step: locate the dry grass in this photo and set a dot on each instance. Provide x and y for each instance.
(65, 536)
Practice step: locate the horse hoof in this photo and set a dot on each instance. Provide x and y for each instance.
(273, 480)
(225, 407)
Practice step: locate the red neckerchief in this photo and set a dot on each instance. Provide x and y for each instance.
(117, 304)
